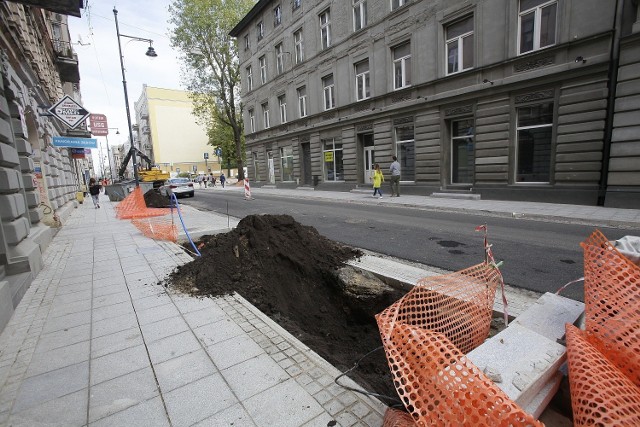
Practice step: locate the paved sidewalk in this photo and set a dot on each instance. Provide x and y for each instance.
(98, 341)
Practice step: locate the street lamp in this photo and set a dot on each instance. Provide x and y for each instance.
(150, 53)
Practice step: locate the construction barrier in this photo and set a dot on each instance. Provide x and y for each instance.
(425, 335)
(134, 206)
(158, 228)
(604, 359)
(247, 189)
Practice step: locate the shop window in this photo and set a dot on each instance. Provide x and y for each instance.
(462, 151)
(286, 162)
(534, 135)
(332, 156)
(406, 151)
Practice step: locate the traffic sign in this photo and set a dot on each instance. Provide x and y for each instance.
(99, 126)
(69, 112)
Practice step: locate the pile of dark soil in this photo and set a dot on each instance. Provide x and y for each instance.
(153, 199)
(290, 272)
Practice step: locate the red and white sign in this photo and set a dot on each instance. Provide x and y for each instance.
(99, 126)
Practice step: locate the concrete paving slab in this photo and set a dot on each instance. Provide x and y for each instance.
(214, 333)
(233, 351)
(65, 411)
(155, 314)
(182, 370)
(549, 314)
(206, 316)
(120, 363)
(165, 328)
(253, 376)
(149, 413)
(63, 338)
(115, 342)
(173, 346)
(58, 358)
(110, 326)
(233, 416)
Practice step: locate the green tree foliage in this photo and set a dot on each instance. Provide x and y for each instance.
(211, 71)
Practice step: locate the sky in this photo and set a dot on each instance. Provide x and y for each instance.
(95, 41)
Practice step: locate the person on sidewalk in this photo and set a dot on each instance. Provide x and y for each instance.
(200, 180)
(378, 178)
(395, 177)
(223, 179)
(94, 190)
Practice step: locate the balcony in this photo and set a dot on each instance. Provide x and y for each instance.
(66, 61)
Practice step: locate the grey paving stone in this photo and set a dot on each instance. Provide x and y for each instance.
(122, 309)
(164, 328)
(70, 308)
(67, 321)
(69, 410)
(149, 413)
(58, 358)
(112, 343)
(346, 419)
(113, 325)
(113, 281)
(111, 299)
(156, 314)
(187, 303)
(117, 364)
(51, 385)
(142, 291)
(120, 393)
(113, 288)
(233, 416)
(198, 400)
(63, 338)
(86, 279)
(205, 316)
(183, 370)
(233, 351)
(72, 297)
(152, 301)
(173, 346)
(254, 376)
(284, 405)
(216, 332)
(321, 420)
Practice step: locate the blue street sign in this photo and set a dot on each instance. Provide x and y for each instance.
(206, 156)
(218, 152)
(74, 142)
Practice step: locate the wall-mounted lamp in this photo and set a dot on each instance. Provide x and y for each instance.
(581, 59)
(487, 81)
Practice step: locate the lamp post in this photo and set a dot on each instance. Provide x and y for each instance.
(151, 53)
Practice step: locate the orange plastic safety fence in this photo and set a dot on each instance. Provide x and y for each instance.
(601, 395)
(158, 228)
(612, 304)
(134, 206)
(425, 335)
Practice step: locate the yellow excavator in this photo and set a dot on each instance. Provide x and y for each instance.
(150, 174)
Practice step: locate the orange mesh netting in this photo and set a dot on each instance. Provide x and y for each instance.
(604, 361)
(425, 335)
(158, 228)
(600, 393)
(134, 206)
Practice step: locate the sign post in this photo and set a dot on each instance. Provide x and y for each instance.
(69, 112)
(206, 157)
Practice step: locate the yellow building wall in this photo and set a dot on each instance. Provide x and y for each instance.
(175, 135)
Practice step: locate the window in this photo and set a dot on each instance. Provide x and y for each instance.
(325, 29)
(286, 162)
(462, 152)
(247, 45)
(405, 150)
(402, 66)
(252, 120)
(263, 69)
(533, 153)
(282, 103)
(277, 16)
(332, 156)
(537, 24)
(359, 14)
(395, 4)
(460, 45)
(265, 115)
(260, 30)
(279, 59)
(249, 79)
(296, 4)
(256, 168)
(363, 84)
(302, 101)
(297, 39)
(328, 91)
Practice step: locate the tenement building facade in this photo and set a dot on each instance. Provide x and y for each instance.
(511, 99)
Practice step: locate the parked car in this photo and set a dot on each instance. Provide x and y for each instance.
(177, 186)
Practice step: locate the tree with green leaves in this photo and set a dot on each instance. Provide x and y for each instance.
(211, 71)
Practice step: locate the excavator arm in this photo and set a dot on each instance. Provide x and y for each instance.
(126, 159)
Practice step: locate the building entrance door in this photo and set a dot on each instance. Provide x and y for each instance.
(270, 165)
(368, 156)
(306, 163)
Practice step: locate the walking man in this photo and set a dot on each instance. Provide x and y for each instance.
(395, 177)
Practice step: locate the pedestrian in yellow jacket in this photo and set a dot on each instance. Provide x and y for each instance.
(378, 178)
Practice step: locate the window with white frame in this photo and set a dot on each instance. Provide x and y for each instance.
(277, 16)
(398, 3)
(462, 151)
(363, 84)
(286, 163)
(328, 92)
(537, 24)
(252, 120)
(260, 30)
(296, 4)
(279, 59)
(302, 101)
(406, 151)
(459, 43)
(282, 104)
(533, 144)
(325, 29)
(249, 79)
(299, 46)
(359, 14)
(265, 115)
(256, 167)
(402, 66)
(332, 157)
(263, 69)
(247, 45)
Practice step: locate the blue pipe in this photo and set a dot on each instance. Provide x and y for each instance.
(175, 199)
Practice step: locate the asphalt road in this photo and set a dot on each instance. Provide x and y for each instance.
(540, 256)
